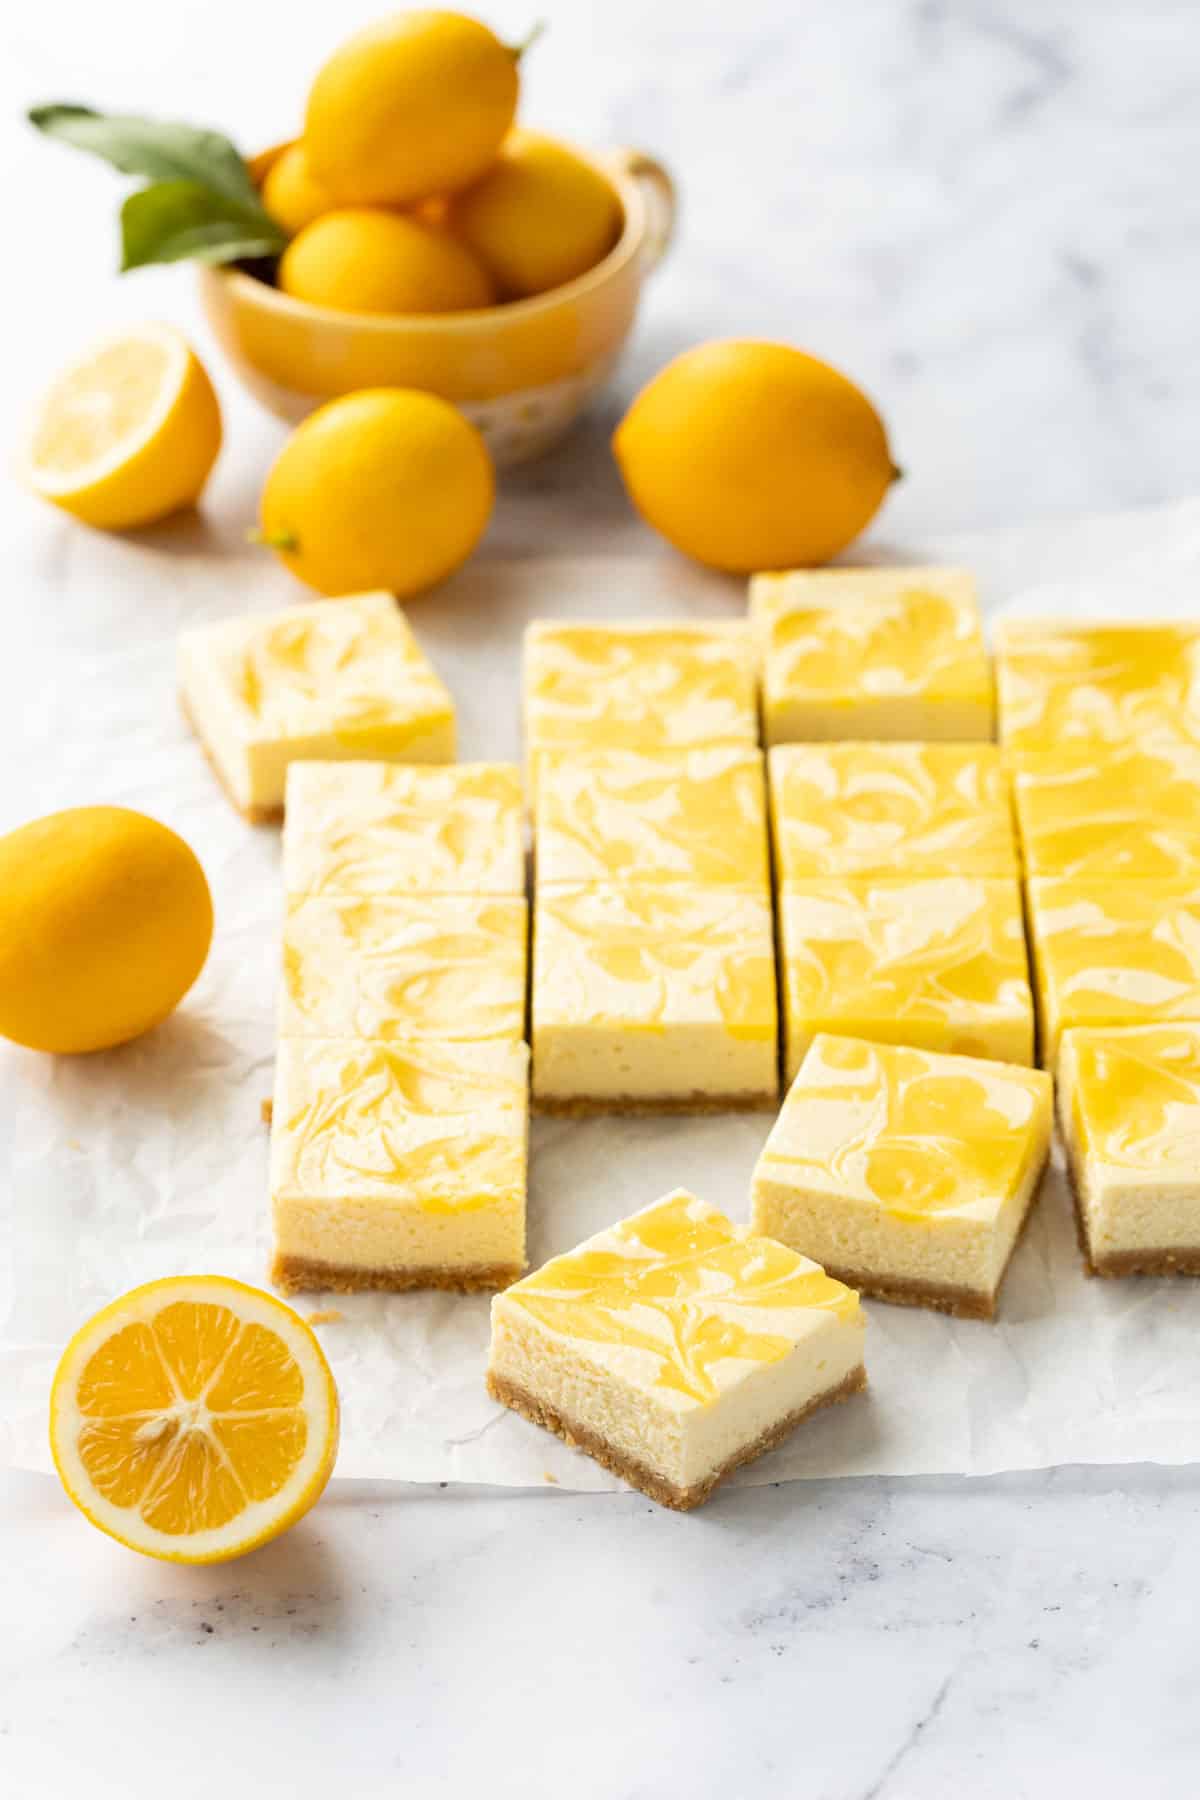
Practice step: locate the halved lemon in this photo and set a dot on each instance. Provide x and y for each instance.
(194, 1419)
(128, 432)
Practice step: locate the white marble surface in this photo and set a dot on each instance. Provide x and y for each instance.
(987, 213)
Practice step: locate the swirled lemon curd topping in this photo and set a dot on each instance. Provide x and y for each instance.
(374, 968)
(638, 686)
(882, 808)
(1121, 809)
(920, 1135)
(1059, 683)
(391, 828)
(680, 1301)
(696, 816)
(1135, 1098)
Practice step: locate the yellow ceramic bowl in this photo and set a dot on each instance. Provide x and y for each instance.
(521, 372)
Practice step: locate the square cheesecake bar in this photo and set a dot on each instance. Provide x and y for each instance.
(904, 1172)
(938, 963)
(637, 685)
(398, 1165)
(328, 679)
(653, 999)
(871, 653)
(674, 1347)
(1059, 683)
(419, 965)
(392, 828)
(695, 818)
(1129, 1108)
(1129, 809)
(1111, 952)
(882, 809)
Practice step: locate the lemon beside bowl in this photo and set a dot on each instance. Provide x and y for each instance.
(522, 372)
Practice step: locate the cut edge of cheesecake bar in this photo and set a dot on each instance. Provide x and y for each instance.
(300, 1274)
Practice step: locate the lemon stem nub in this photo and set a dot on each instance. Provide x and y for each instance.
(517, 51)
(897, 474)
(286, 541)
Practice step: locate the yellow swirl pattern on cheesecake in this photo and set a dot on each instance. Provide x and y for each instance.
(1060, 683)
(938, 963)
(390, 828)
(1110, 809)
(878, 809)
(678, 1302)
(638, 686)
(1113, 952)
(871, 653)
(694, 817)
(450, 967)
(1135, 1099)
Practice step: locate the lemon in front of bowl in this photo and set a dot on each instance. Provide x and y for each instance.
(291, 192)
(415, 105)
(388, 488)
(368, 260)
(749, 455)
(105, 923)
(540, 216)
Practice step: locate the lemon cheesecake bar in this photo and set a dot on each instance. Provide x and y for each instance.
(1129, 809)
(398, 1165)
(1059, 683)
(1129, 1108)
(1111, 952)
(696, 818)
(879, 809)
(394, 828)
(905, 1172)
(414, 966)
(935, 962)
(638, 685)
(329, 679)
(675, 1347)
(653, 998)
(871, 653)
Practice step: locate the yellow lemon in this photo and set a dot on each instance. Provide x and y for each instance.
(754, 456)
(194, 1419)
(292, 194)
(388, 488)
(128, 432)
(415, 105)
(367, 260)
(539, 217)
(105, 922)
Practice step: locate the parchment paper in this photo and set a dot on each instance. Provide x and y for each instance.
(152, 1160)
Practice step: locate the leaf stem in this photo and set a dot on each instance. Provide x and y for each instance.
(536, 30)
(287, 541)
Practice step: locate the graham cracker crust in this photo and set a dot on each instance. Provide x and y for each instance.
(582, 1107)
(960, 1302)
(301, 1274)
(647, 1481)
(253, 815)
(1119, 1263)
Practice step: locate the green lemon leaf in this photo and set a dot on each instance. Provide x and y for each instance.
(155, 148)
(177, 220)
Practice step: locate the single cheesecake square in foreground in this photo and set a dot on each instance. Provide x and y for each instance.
(398, 1165)
(420, 965)
(890, 809)
(674, 1347)
(938, 963)
(653, 999)
(329, 679)
(638, 685)
(1059, 683)
(871, 653)
(1130, 809)
(906, 1173)
(697, 818)
(1129, 1108)
(1111, 952)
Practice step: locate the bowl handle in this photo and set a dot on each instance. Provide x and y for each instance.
(660, 196)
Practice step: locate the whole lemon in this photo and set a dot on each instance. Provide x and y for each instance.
(105, 922)
(415, 105)
(752, 456)
(291, 192)
(539, 217)
(367, 260)
(387, 488)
